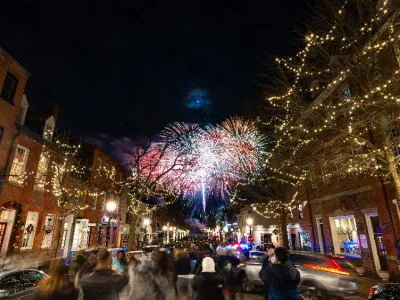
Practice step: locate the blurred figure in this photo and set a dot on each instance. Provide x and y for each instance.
(182, 267)
(76, 264)
(208, 284)
(153, 282)
(84, 272)
(265, 264)
(103, 283)
(57, 286)
(120, 263)
(281, 277)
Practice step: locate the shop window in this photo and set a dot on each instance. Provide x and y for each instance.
(41, 173)
(9, 88)
(305, 241)
(19, 164)
(347, 238)
(49, 225)
(81, 235)
(30, 230)
(94, 198)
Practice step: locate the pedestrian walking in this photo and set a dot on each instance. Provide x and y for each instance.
(208, 284)
(57, 286)
(84, 272)
(281, 276)
(152, 282)
(103, 283)
(120, 264)
(182, 267)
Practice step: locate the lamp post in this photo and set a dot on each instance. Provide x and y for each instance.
(111, 206)
(249, 222)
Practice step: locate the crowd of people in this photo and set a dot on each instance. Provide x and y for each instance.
(162, 276)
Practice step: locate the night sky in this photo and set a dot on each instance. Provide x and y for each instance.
(127, 68)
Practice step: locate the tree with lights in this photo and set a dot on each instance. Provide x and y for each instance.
(337, 101)
(72, 179)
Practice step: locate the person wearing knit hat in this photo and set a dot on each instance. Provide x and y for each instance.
(209, 284)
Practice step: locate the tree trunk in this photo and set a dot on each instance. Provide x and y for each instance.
(132, 231)
(59, 230)
(285, 240)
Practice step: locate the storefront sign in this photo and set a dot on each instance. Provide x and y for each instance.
(363, 241)
(91, 224)
(124, 240)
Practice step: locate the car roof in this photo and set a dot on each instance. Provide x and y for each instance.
(9, 272)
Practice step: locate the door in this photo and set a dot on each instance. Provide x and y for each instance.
(3, 227)
(293, 235)
(321, 235)
(378, 239)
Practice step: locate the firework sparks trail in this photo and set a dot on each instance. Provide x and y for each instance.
(190, 160)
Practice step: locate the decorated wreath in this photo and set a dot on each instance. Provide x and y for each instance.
(275, 231)
(30, 228)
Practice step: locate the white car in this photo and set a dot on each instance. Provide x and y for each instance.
(256, 255)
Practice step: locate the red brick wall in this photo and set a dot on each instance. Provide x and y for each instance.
(9, 112)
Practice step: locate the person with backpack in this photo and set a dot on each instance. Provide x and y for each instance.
(280, 276)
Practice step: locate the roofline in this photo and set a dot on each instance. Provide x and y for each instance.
(12, 58)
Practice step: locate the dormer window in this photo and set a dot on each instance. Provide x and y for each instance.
(49, 129)
(22, 111)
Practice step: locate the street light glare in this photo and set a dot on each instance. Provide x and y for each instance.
(164, 228)
(249, 221)
(146, 222)
(111, 206)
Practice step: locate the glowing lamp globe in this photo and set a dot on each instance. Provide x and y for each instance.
(111, 206)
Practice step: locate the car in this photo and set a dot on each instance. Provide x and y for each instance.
(320, 276)
(20, 284)
(384, 291)
(257, 255)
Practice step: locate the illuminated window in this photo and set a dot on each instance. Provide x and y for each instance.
(49, 129)
(98, 166)
(94, 198)
(59, 174)
(41, 173)
(19, 164)
(30, 230)
(107, 170)
(103, 200)
(347, 92)
(49, 225)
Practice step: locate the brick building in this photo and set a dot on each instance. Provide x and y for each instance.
(353, 214)
(28, 212)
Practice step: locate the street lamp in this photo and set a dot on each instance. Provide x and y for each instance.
(249, 222)
(111, 206)
(164, 228)
(146, 222)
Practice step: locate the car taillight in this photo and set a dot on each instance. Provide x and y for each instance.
(372, 291)
(327, 269)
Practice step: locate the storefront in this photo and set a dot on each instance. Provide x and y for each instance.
(344, 236)
(81, 236)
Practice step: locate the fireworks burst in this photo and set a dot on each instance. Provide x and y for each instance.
(205, 162)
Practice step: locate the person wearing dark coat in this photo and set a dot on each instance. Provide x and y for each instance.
(281, 277)
(209, 285)
(103, 283)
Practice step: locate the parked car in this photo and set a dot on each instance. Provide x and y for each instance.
(20, 284)
(384, 291)
(257, 255)
(320, 276)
